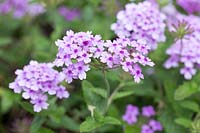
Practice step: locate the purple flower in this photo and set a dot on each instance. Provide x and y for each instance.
(185, 51)
(77, 51)
(155, 125)
(81, 69)
(68, 14)
(131, 114)
(62, 93)
(36, 80)
(152, 127)
(188, 72)
(146, 129)
(148, 111)
(191, 6)
(127, 54)
(141, 21)
(35, 9)
(20, 8)
(40, 103)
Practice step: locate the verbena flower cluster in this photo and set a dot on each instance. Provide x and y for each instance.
(77, 50)
(35, 81)
(190, 6)
(132, 115)
(68, 14)
(185, 51)
(21, 8)
(143, 20)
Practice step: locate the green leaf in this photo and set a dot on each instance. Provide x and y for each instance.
(98, 116)
(132, 129)
(123, 94)
(89, 124)
(44, 130)
(167, 119)
(195, 126)
(186, 90)
(69, 123)
(8, 99)
(37, 123)
(91, 98)
(101, 92)
(28, 107)
(111, 120)
(183, 122)
(191, 105)
(5, 40)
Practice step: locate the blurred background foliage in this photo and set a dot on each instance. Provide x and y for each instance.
(21, 40)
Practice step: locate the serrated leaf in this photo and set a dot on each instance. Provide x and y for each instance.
(186, 90)
(111, 120)
(123, 94)
(184, 122)
(37, 123)
(191, 105)
(89, 124)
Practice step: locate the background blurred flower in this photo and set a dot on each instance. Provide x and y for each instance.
(37, 80)
(141, 21)
(185, 49)
(21, 8)
(190, 6)
(68, 14)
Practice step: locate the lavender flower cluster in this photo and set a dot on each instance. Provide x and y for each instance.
(143, 20)
(132, 114)
(20, 8)
(185, 51)
(191, 6)
(68, 14)
(77, 50)
(35, 81)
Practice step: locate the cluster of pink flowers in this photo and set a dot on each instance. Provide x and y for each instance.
(21, 7)
(191, 6)
(185, 50)
(77, 50)
(35, 81)
(141, 21)
(68, 14)
(132, 114)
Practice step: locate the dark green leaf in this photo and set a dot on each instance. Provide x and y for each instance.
(37, 123)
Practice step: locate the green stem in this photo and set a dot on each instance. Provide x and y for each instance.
(110, 99)
(106, 83)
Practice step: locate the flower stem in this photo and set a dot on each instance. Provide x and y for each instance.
(110, 99)
(106, 83)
